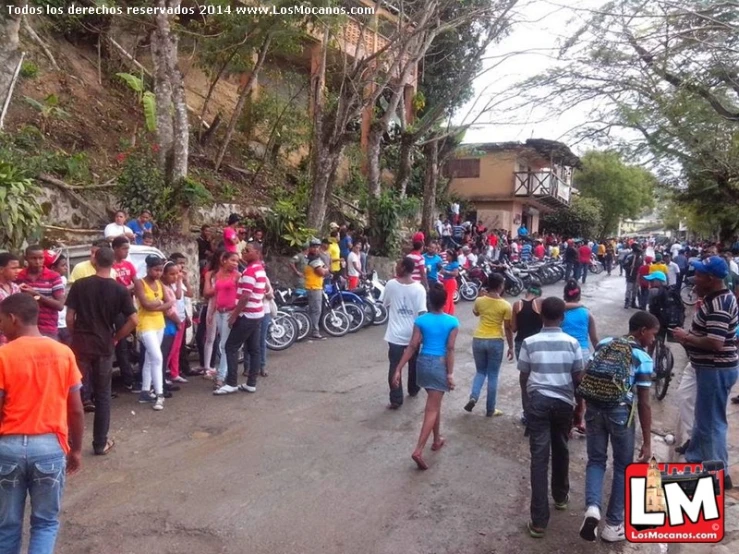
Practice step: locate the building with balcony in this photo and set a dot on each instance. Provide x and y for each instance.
(509, 183)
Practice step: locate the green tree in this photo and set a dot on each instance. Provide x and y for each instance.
(581, 219)
(624, 191)
(666, 71)
(20, 212)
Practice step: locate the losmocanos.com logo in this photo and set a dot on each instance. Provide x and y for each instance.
(675, 502)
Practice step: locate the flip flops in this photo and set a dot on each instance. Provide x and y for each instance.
(108, 447)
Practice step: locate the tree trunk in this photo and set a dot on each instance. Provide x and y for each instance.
(405, 164)
(374, 147)
(263, 49)
(163, 92)
(429, 186)
(9, 41)
(327, 162)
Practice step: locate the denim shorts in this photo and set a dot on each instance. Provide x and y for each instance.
(431, 373)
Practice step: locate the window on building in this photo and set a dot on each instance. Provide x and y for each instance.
(463, 168)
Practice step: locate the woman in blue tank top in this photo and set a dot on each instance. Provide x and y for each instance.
(435, 333)
(580, 325)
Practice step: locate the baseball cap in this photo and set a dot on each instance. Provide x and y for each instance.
(648, 259)
(419, 237)
(333, 226)
(51, 257)
(314, 242)
(658, 257)
(656, 276)
(715, 266)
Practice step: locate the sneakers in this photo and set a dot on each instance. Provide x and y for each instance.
(134, 388)
(495, 413)
(562, 505)
(146, 397)
(471, 404)
(179, 379)
(158, 404)
(613, 533)
(589, 527)
(247, 388)
(225, 389)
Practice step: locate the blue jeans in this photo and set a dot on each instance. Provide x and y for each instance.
(600, 424)
(35, 465)
(488, 354)
(708, 442)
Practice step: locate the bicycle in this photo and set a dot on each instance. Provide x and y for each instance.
(663, 365)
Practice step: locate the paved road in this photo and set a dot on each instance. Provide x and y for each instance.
(314, 463)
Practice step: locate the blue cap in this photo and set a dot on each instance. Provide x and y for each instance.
(656, 276)
(714, 266)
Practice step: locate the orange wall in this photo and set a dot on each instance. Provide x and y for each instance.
(495, 181)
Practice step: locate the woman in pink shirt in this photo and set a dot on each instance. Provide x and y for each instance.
(230, 234)
(221, 286)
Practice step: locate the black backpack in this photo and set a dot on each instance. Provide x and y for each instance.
(674, 310)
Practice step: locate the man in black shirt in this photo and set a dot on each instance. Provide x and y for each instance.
(632, 263)
(205, 249)
(572, 259)
(93, 304)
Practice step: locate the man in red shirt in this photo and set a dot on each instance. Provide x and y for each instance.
(125, 275)
(46, 287)
(539, 250)
(41, 425)
(584, 253)
(246, 323)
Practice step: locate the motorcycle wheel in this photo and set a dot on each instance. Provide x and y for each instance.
(381, 315)
(355, 315)
(456, 296)
(369, 313)
(335, 323)
(514, 289)
(282, 332)
(469, 292)
(304, 325)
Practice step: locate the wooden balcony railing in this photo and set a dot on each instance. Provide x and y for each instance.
(544, 185)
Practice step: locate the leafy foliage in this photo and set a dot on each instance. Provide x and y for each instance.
(146, 98)
(20, 211)
(624, 191)
(581, 219)
(285, 227)
(48, 109)
(387, 212)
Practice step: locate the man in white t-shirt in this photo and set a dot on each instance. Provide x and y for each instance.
(673, 270)
(405, 300)
(119, 228)
(675, 249)
(354, 265)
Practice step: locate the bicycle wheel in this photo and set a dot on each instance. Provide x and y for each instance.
(687, 295)
(661, 379)
(335, 323)
(282, 332)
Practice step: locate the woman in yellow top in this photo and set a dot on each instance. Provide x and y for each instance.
(487, 342)
(149, 292)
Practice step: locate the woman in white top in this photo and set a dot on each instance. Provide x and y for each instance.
(118, 228)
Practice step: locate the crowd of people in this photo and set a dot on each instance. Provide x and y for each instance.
(572, 381)
(59, 339)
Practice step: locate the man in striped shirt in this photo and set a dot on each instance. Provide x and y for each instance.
(711, 347)
(246, 322)
(47, 289)
(419, 264)
(551, 365)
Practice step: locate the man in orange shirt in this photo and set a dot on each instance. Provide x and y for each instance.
(41, 425)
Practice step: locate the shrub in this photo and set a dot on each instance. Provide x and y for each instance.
(29, 70)
(20, 211)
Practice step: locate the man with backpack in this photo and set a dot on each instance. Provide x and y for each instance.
(664, 304)
(631, 265)
(711, 347)
(618, 366)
